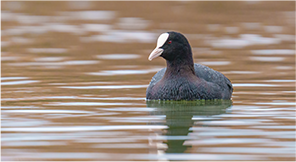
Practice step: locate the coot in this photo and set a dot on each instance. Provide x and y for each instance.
(182, 79)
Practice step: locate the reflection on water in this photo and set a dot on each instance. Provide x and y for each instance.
(274, 52)
(106, 87)
(118, 56)
(180, 117)
(244, 41)
(124, 72)
(74, 77)
(19, 82)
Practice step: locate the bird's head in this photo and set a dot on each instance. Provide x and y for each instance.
(171, 46)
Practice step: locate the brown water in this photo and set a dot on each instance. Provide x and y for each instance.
(74, 76)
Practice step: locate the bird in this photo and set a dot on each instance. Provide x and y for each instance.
(182, 79)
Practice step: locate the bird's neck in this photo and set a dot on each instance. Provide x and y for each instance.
(183, 67)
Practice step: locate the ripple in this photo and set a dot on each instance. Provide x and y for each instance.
(276, 127)
(36, 137)
(80, 62)
(273, 29)
(289, 91)
(19, 82)
(90, 98)
(47, 50)
(256, 39)
(252, 85)
(213, 27)
(215, 157)
(20, 40)
(230, 43)
(273, 52)
(8, 58)
(284, 67)
(216, 141)
(122, 72)
(251, 25)
(65, 28)
(231, 29)
(123, 36)
(118, 56)
(56, 64)
(96, 27)
(234, 132)
(106, 87)
(285, 37)
(25, 30)
(45, 111)
(4, 44)
(230, 122)
(139, 118)
(140, 156)
(244, 41)
(90, 15)
(282, 81)
(18, 107)
(49, 59)
(121, 146)
(132, 23)
(269, 59)
(34, 143)
(241, 72)
(276, 103)
(217, 63)
(252, 1)
(86, 104)
(79, 4)
(280, 144)
(13, 78)
(84, 128)
(137, 109)
(7, 16)
(23, 123)
(14, 6)
(253, 150)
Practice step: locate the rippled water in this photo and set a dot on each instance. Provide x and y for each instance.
(74, 76)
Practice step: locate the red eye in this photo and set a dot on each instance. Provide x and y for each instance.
(170, 42)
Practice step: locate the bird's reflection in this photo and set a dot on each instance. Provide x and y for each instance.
(179, 118)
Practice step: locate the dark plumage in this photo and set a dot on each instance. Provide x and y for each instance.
(182, 79)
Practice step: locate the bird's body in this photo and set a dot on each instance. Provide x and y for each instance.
(206, 84)
(182, 79)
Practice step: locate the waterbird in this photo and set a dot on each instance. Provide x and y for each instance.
(183, 79)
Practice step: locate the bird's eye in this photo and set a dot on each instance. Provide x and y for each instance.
(170, 42)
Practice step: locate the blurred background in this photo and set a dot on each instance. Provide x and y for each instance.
(74, 77)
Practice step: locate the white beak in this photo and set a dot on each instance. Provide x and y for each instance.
(155, 53)
(160, 42)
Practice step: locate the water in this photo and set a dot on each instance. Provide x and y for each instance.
(74, 76)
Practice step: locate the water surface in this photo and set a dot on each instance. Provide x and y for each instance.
(74, 76)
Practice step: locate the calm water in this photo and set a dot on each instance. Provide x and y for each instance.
(74, 76)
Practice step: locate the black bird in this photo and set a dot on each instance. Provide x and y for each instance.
(182, 79)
